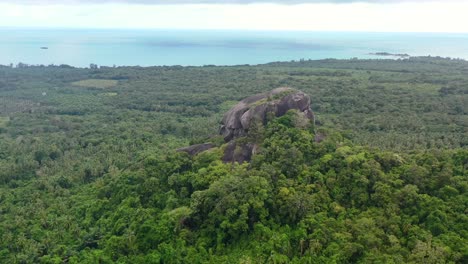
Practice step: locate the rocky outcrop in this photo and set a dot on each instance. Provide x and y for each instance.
(237, 120)
(239, 152)
(254, 110)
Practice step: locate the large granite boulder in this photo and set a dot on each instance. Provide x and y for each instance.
(239, 152)
(251, 111)
(256, 108)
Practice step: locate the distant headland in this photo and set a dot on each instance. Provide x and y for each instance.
(390, 54)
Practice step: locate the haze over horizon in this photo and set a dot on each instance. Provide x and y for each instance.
(312, 15)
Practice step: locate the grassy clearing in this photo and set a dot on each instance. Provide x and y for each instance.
(96, 83)
(108, 94)
(4, 120)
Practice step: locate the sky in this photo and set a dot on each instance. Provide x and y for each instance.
(311, 15)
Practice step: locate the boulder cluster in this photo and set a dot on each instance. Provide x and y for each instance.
(253, 110)
(256, 108)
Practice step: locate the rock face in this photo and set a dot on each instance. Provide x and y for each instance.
(252, 110)
(239, 152)
(237, 120)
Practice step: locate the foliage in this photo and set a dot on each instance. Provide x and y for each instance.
(96, 83)
(92, 177)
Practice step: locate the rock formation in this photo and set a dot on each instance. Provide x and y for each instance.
(253, 110)
(237, 120)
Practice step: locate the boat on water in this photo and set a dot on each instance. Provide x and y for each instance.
(44, 48)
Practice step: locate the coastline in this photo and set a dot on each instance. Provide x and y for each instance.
(80, 47)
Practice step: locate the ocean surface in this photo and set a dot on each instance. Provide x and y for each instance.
(81, 47)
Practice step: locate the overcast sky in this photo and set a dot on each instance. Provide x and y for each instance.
(317, 15)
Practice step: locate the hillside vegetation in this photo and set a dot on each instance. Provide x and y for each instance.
(91, 175)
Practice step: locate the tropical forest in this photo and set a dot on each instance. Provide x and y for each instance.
(364, 161)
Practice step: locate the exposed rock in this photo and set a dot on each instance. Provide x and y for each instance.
(237, 120)
(254, 110)
(195, 149)
(239, 152)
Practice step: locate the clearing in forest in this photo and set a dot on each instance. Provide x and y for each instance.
(96, 83)
(4, 120)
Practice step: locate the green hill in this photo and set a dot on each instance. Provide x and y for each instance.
(90, 178)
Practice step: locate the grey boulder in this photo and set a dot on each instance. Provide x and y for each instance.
(256, 108)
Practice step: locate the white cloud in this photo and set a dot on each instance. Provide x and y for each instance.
(402, 16)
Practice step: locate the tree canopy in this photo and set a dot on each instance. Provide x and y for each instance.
(90, 173)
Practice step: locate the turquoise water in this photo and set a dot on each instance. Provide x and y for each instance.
(184, 47)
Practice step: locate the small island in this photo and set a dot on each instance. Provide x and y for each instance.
(390, 54)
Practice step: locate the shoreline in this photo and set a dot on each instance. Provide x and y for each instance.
(389, 57)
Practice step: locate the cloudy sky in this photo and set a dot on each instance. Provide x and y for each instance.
(317, 15)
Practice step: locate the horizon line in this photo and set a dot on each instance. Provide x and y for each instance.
(226, 29)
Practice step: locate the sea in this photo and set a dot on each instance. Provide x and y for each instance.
(115, 47)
